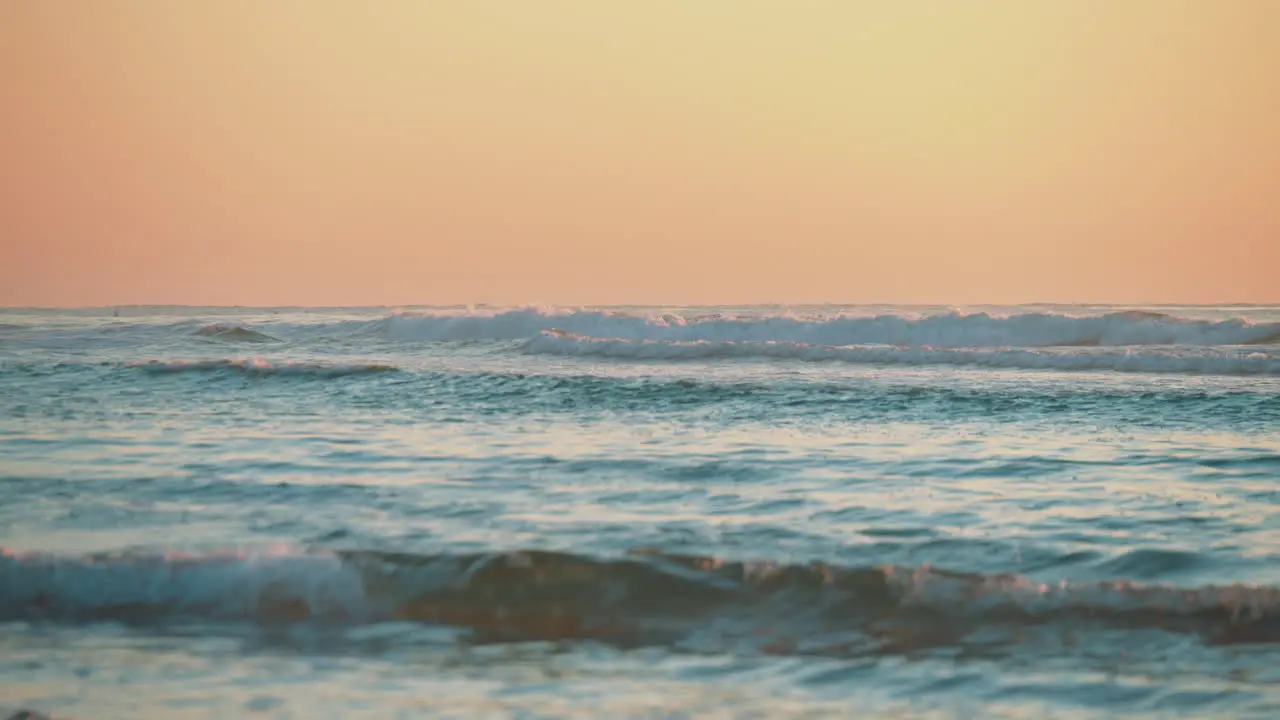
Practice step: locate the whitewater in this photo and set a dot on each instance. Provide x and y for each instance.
(804, 511)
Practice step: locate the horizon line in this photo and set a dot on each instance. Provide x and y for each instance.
(465, 305)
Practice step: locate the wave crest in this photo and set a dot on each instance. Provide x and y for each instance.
(234, 333)
(1039, 330)
(646, 598)
(1152, 360)
(260, 368)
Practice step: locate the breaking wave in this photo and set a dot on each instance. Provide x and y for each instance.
(646, 598)
(260, 368)
(1118, 329)
(1147, 360)
(234, 333)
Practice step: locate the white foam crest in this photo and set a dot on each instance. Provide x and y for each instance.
(953, 330)
(231, 586)
(1146, 360)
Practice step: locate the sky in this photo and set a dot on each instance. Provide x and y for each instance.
(326, 152)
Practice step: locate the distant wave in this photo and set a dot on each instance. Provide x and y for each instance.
(1128, 328)
(1119, 360)
(643, 599)
(260, 368)
(234, 333)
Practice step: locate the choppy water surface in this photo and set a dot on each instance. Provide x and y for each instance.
(736, 512)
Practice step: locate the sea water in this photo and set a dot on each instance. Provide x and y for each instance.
(1047, 511)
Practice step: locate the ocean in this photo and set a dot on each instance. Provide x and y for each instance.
(834, 511)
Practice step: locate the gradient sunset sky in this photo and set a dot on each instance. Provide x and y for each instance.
(649, 151)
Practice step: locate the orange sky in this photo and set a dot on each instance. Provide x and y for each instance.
(665, 151)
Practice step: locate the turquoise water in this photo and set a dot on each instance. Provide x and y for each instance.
(660, 512)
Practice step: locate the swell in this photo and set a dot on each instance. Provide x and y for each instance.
(255, 367)
(437, 394)
(646, 598)
(234, 333)
(1118, 329)
(833, 327)
(1147, 360)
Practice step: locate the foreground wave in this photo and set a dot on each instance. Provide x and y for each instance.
(647, 598)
